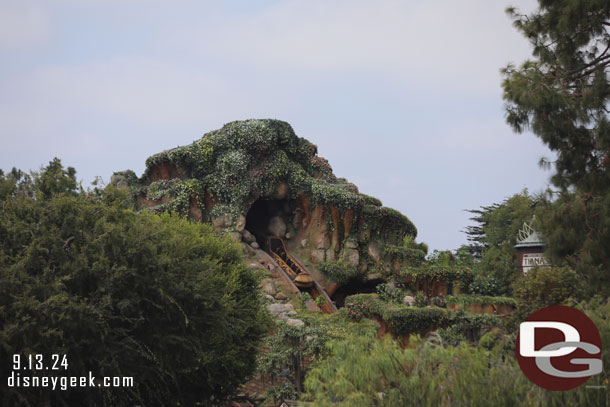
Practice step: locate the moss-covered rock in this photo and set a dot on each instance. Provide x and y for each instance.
(220, 177)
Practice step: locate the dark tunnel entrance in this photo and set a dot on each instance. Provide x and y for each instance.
(354, 287)
(259, 218)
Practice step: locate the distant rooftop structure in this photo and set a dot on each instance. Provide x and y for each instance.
(528, 237)
(530, 248)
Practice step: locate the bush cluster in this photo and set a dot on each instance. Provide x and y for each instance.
(338, 272)
(121, 293)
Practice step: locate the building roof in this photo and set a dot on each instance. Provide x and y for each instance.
(533, 240)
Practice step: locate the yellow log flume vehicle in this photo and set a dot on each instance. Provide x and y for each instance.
(298, 274)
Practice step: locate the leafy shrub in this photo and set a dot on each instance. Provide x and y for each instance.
(285, 354)
(284, 391)
(480, 299)
(450, 337)
(486, 285)
(440, 301)
(383, 291)
(421, 300)
(389, 293)
(338, 272)
(304, 297)
(124, 294)
(544, 286)
(356, 311)
(320, 300)
(401, 319)
(490, 339)
(442, 273)
(472, 326)
(409, 255)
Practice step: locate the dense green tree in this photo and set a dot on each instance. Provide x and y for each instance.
(285, 356)
(562, 95)
(121, 293)
(495, 236)
(545, 286)
(576, 228)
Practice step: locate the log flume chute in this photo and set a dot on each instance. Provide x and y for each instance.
(298, 273)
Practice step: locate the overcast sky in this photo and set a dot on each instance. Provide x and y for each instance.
(402, 97)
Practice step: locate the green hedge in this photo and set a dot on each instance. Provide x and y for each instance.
(337, 272)
(412, 256)
(404, 320)
(480, 299)
(401, 319)
(439, 273)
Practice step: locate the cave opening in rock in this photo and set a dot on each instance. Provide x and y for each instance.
(268, 217)
(355, 287)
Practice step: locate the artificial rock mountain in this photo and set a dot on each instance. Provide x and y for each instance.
(256, 178)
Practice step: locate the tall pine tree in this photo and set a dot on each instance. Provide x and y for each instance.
(562, 95)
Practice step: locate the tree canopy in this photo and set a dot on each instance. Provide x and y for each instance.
(492, 240)
(121, 293)
(562, 95)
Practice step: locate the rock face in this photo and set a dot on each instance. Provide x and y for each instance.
(277, 226)
(256, 178)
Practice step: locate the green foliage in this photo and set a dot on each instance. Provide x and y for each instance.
(471, 325)
(406, 255)
(365, 372)
(421, 300)
(127, 178)
(338, 272)
(360, 370)
(286, 351)
(54, 180)
(15, 183)
(356, 311)
(576, 227)
(485, 285)
(492, 241)
(480, 299)
(449, 337)
(402, 320)
(342, 195)
(252, 158)
(438, 273)
(440, 301)
(562, 95)
(284, 391)
(320, 300)
(304, 297)
(389, 293)
(544, 286)
(179, 191)
(122, 294)
(491, 339)
(245, 158)
(371, 200)
(388, 224)
(355, 372)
